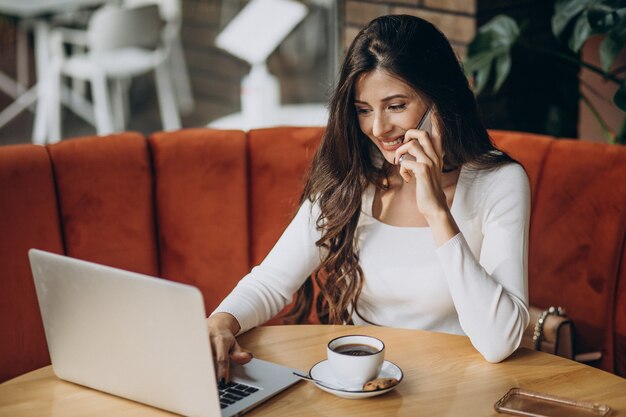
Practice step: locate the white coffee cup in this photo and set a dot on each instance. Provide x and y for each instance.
(355, 359)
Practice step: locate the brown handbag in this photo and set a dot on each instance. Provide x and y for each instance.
(550, 331)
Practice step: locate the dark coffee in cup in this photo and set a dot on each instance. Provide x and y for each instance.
(355, 359)
(356, 349)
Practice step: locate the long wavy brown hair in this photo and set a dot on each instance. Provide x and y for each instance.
(416, 52)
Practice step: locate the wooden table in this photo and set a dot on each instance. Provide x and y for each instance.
(443, 376)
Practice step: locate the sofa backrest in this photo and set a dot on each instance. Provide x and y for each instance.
(203, 206)
(28, 218)
(577, 235)
(105, 200)
(619, 315)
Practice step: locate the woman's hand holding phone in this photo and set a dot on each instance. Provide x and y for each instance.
(420, 157)
(426, 125)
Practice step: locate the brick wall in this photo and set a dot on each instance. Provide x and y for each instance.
(457, 19)
(532, 99)
(216, 75)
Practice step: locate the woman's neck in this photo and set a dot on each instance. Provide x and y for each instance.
(396, 205)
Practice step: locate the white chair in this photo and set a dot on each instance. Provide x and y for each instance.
(171, 13)
(257, 30)
(121, 43)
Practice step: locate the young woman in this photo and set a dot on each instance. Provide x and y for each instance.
(400, 224)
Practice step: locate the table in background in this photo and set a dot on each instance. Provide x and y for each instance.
(443, 376)
(35, 13)
(310, 114)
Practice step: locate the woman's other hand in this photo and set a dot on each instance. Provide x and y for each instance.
(222, 330)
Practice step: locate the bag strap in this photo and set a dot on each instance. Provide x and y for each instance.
(538, 332)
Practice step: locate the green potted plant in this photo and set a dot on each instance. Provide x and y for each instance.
(492, 53)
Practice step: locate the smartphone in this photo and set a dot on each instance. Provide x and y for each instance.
(426, 122)
(521, 402)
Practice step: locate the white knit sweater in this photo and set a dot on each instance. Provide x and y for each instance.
(475, 284)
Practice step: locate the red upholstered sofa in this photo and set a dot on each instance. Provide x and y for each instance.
(203, 206)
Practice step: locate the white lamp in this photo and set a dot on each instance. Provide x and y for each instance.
(252, 36)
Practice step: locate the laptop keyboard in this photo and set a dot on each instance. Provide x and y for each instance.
(232, 392)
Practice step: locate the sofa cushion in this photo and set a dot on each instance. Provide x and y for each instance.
(223, 198)
(528, 149)
(106, 203)
(202, 200)
(619, 316)
(279, 161)
(29, 220)
(578, 226)
(577, 230)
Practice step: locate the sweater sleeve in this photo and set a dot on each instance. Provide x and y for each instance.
(491, 294)
(270, 286)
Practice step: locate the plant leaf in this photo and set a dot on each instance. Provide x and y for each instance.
(492, 47)
(503, 68)
(481, 78)
(582, 31)
(505, 29)
(478, 62)
(605, 15)
(564, 12)
(498, 32)
(609, 48)
(620, 97)
(480, 44)
(612, 44)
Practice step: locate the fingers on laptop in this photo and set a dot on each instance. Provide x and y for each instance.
(221, 364)
(222, 342)
(226, 351)
(238, 355)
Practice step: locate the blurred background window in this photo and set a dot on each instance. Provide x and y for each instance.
(305, 64)
(541, 95)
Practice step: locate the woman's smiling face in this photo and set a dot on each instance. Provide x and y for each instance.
(386, 108)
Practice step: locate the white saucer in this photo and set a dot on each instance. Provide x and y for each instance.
(321, 372)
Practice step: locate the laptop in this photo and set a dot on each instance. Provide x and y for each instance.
(141, 338)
